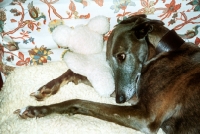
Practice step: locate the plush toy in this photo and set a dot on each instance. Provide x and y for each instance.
(87, 52)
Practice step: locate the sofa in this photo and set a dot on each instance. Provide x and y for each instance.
(30, 57)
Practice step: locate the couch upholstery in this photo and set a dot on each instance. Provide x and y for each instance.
(26, 25)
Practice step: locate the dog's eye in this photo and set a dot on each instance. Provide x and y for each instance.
(121, 57)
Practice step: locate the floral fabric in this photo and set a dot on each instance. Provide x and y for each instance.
(26, 25)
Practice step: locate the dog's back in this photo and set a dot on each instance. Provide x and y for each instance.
(172, 80)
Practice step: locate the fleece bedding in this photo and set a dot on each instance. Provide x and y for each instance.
(25, 80)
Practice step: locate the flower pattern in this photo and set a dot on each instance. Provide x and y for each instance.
(196, 4)
(171, 8)
(54, 23)
(39, 55)
(26, 25)
(121, 4)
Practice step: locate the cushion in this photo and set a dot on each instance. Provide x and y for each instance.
(25, 80)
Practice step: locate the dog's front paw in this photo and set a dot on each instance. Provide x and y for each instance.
(40, 95)
(31, 112)
(47, 90)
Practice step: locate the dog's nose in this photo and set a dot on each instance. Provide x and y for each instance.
(120, 99)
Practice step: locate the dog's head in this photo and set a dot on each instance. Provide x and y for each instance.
(127, 50)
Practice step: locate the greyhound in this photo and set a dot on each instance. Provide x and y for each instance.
(155, 70)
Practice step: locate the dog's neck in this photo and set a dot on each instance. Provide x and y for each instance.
(165, 40)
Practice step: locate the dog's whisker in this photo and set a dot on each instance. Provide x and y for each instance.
(137, 82)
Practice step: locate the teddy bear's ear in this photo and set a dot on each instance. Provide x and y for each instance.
(61, 35)
(99, 24)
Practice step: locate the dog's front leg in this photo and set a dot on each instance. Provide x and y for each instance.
(54, 85)
(129, 116)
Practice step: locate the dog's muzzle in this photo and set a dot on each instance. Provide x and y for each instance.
(125, 97)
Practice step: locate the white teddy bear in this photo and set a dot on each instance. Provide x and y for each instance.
(87, 52)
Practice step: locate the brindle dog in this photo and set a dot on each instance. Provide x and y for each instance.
(167, 93)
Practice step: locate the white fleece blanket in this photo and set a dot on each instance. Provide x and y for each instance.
(25, 80)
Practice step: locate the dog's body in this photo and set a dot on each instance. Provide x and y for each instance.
(166, 94)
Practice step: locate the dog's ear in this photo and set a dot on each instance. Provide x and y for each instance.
(142, 29)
